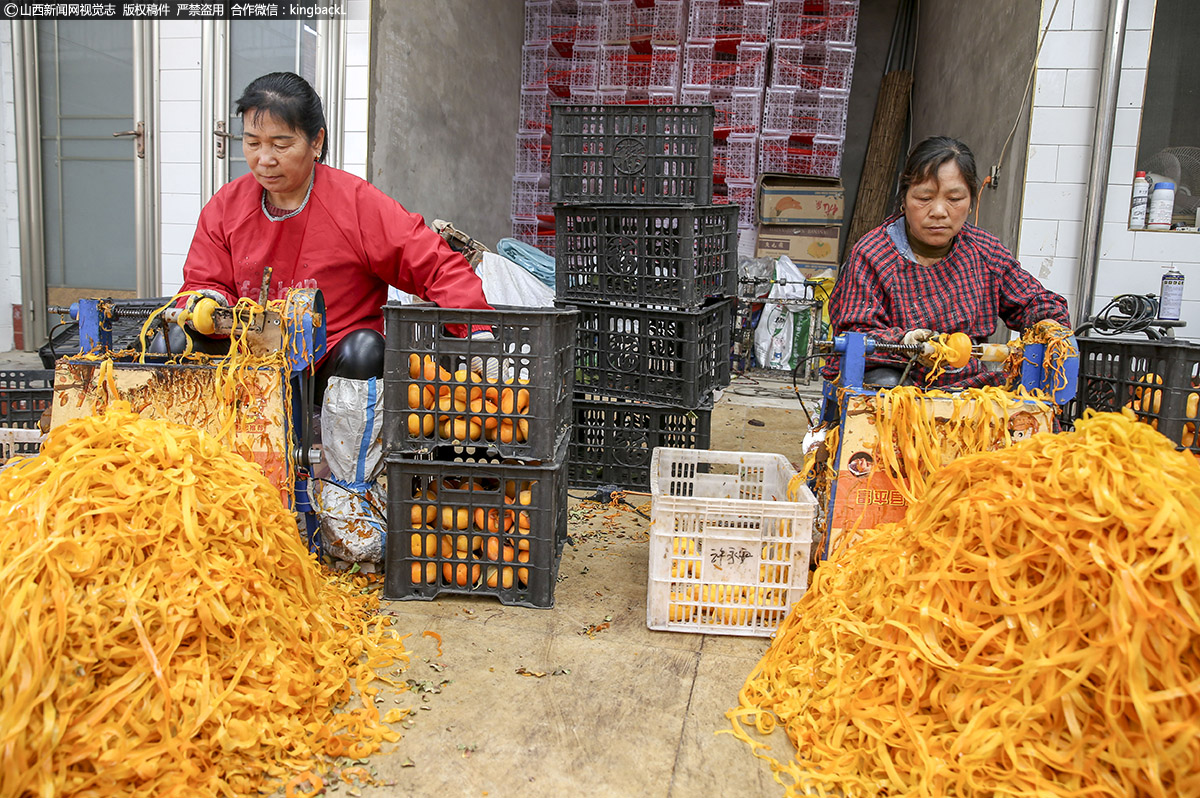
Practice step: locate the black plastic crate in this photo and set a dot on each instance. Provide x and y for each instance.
(24, 396)
(656, 255)
(1158, 380)
(468, 526)
(659, 355)
(638, 154)
(613, 441)
(525, 414)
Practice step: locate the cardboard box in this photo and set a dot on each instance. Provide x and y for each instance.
(803, 244)
(864, 496)
(792, 200)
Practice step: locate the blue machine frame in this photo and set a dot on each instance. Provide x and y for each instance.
(854, 348)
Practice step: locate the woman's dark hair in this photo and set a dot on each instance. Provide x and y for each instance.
(927, 158)
(289, 98)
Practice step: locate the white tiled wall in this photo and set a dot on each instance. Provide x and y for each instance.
(358, 61)
(10, 243)
(1064, 109)
(179, 142)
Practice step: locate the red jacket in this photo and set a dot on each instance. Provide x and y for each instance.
(351, 241)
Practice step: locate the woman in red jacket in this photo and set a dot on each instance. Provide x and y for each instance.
(313, 226)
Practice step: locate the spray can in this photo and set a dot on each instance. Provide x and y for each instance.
(1170, 295)
(1162, 205)
(1139, 202)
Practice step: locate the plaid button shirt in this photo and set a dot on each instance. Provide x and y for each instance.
(883, 294)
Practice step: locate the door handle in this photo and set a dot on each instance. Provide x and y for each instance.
(223, 136)
(139, 135)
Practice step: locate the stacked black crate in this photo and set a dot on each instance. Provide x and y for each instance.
(649, 263)
(475, 440)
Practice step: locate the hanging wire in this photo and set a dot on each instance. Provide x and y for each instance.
(1025, 96)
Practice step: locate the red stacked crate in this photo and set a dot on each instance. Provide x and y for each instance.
(804, 109)
(725, 65)
(587, 52)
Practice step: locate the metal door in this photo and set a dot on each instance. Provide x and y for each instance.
(86, 144)
(239, 52)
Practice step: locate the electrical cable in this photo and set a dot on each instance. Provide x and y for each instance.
(53, 332)
(1126, 313)
(605, 494)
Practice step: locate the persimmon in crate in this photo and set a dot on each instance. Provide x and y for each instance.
(509, 392)
(471, 522)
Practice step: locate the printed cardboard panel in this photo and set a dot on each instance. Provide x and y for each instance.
(805, 244)
(791, 200)
(187, 395)
(864, 495)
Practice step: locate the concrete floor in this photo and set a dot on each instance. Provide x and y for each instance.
(623, 711)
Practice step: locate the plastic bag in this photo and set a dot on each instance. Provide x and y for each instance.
(754, 275)
(777, 328)
(351, 503)
(506, 283)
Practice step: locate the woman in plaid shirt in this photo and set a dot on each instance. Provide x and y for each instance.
(925, 270)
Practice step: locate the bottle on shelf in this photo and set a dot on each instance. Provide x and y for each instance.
(1139, 202)
(1162, 205)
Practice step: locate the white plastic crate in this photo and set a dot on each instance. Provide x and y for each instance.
(832, 107)
(669, 22)
(585, 67)
(562, 25)
(638, 70)
(743, 156)
(641, 23)
(614, 66)
(836, 22)
(704, 65)
(583, 97)
(729, 552)
(534, 64)
(697, 67)
(662, 95)
(558, 73)
(778, 153)
(838, 66)
(530, 196)
(664, 66)
(843, 21)
(535, 110)
(533, 154)
(734, 158)
(826, 159)
(787, 67)
(812, 67)
(534, 233)
(735, 110)
(17, 440)
(617, 20)
(589, 24)
(741, 193)
(613, 96)
(745, 20)
(537, 21)
(800, 112)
